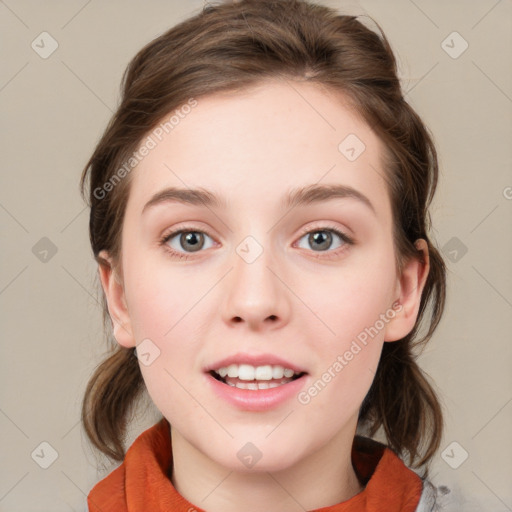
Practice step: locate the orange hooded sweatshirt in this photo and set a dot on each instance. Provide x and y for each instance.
(141, 484)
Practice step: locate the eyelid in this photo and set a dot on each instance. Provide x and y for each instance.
(171, 233)
(326, 226)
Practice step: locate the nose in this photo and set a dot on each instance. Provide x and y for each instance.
(255, 294)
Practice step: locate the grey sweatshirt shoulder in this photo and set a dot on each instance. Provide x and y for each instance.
(434, 499)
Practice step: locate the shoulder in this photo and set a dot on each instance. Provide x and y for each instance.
(109, 493)
(433, 499)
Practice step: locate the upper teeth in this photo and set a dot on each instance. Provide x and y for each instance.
(249, 372)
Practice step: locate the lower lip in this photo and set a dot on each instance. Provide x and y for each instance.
(256, 400)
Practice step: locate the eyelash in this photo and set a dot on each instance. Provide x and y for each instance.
(323, 255)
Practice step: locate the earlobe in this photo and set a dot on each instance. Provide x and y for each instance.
(411, 284)
(114, 293)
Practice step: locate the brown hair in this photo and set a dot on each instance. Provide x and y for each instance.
(232, 46)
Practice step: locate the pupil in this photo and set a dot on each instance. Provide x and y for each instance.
(317, 238)
(192, 239)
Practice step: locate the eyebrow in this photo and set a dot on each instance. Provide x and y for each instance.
(300, 196)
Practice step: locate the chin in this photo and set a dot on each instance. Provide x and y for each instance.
(256, 457)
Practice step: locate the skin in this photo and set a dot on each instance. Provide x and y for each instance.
(252, 148)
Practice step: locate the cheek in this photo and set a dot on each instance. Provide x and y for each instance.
(158, 300)
(162, 310)
(347, 331)
(347, 301)
(165, 307)
(346, 367)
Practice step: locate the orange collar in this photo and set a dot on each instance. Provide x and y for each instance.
(141, 483)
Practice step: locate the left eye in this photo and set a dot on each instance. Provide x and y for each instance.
(323, 239)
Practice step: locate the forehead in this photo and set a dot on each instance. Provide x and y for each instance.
(254, 146)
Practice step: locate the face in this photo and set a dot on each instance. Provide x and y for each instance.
(269, 281)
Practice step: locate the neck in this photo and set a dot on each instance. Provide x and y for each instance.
(323, 479)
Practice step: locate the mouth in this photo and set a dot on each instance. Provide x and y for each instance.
(249, 377)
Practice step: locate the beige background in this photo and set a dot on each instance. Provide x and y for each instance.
(53, 112)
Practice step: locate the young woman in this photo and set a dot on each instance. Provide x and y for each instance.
(259, 215)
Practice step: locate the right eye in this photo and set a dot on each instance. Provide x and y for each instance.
(185, 241)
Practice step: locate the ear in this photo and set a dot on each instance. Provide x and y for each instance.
(114, 293)
(410, 288)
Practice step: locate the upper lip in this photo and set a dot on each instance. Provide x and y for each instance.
(254, 360)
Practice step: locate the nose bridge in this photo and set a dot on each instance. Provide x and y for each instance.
(255, 294)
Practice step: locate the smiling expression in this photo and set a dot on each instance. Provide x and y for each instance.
(254, 252)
